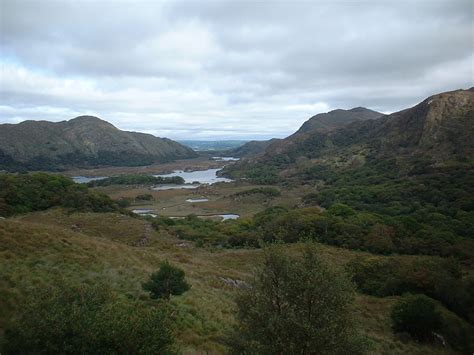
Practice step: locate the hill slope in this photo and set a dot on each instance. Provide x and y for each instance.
(437, 130)
(251, 148)
(322, 122)
(84, 141)
(337, 118)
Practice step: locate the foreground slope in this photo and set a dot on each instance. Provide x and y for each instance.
(84, 141)
(39, 248)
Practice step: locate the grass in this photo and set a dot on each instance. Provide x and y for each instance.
(223, 198)
(39, 248)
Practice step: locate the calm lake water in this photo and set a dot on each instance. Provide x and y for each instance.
(194, 200)
(86, 179)
(208, 176)
(225, 158)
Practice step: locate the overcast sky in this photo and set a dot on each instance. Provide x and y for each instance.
(227, 69)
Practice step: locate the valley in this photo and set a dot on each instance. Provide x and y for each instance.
(393, 219)
(236, 177)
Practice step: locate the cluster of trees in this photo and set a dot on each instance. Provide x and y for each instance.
(420, 208)
(266, 191)
(438, 278)
(22, 193)
(432, 209)
(136, 179)
(338, 225)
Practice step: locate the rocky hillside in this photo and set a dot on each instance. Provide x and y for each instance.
(322, 122)
(438, 130)
(251, 148)
(84, 141)
(337, 118)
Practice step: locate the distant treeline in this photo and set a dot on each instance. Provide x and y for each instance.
(23, 193)
(136, 179)
(267, 191)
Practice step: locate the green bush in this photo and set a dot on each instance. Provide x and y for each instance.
(88, 320)
(123, 202)
(144, 197)
(435, 277)
(295, 305)
(416, 315)
(168, 280)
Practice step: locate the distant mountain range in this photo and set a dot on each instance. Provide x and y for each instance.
(439, 130)
(212, 145)
(84, 141)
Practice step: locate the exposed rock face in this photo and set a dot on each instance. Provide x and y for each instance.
(84, 141)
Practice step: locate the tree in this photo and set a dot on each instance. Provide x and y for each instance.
(416, 315)
(87, 320)
(168, 280)
(295, 305)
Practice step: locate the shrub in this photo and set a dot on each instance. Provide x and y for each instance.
(123, 202)
(144, 197)
(416, 315)
(295, 305)
(168, 280)
(87, 320)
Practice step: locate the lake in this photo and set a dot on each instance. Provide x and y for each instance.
(194, 200)
(86, 179)
(225, 158)
(208, 176)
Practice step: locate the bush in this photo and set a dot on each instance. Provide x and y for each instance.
(144, 197)
(295, 305)
(416, 315)
(168, 280)
(87, 320)
(123, 203)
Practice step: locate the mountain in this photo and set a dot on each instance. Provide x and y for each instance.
(251, 148)
(84, 141)
(438, 130)
(321, 122)
(337, 118)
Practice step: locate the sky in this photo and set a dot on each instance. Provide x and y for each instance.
(227, 69)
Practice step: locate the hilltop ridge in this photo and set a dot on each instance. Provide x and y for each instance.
(84, 141)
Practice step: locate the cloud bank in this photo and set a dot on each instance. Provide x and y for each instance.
(227, 69)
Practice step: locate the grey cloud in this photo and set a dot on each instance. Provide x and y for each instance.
(218, 66)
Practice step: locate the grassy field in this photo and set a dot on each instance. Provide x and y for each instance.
(221, 198)
(40, 248)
